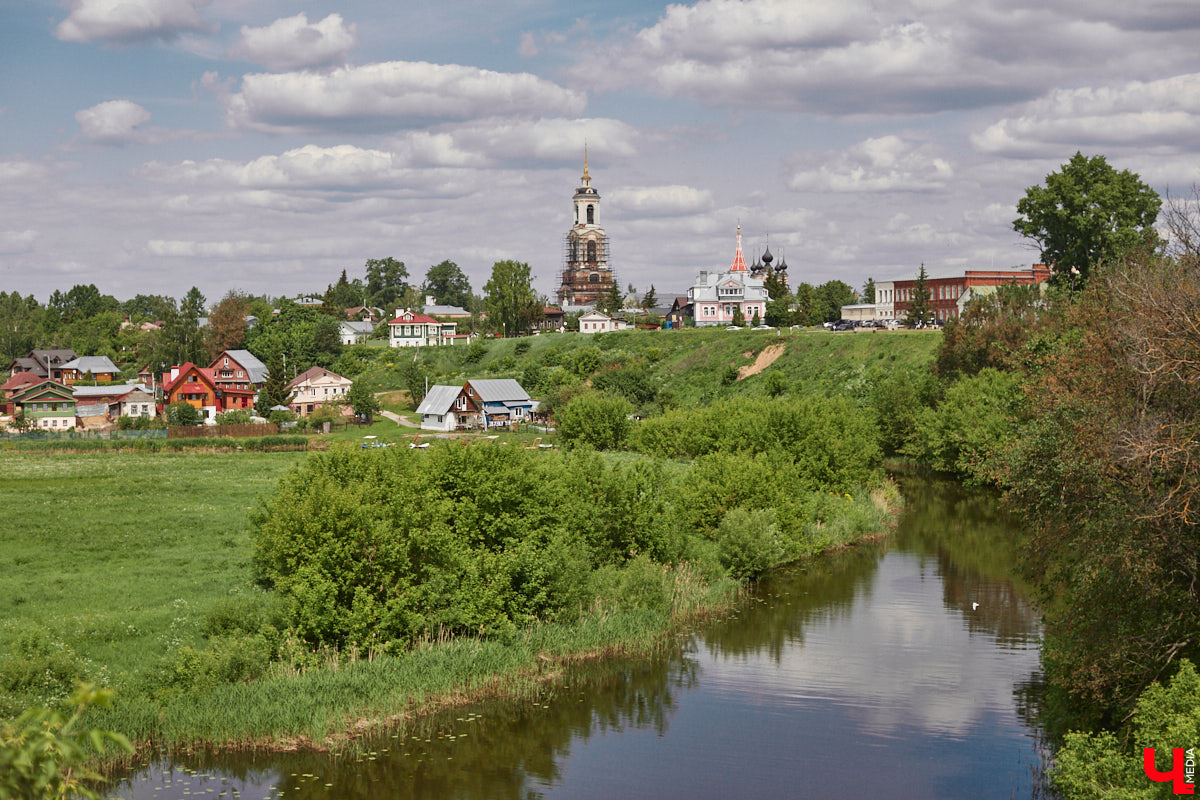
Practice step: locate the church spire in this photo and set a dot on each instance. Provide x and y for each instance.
(587, 179)
(739, 260)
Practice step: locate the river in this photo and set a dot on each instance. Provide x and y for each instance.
(901, 668)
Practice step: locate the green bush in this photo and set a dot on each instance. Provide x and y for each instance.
(474, 353)
(595, 420)
(749, 542)
(41, 667)
(180, 414)
(585, 360)
(240, 416)
(977, 416)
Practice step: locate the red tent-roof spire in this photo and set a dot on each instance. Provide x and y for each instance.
(739, 260)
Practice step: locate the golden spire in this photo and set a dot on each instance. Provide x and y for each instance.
(585, 170)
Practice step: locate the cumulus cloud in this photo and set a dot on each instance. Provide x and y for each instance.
(294, 42)
(660, 201)
(394, 94)
(847, 57)
(130, 21)
(113, 123)
(886, 163)
(19, 170)
(1165, 113)
(493, 142)
(309, 166)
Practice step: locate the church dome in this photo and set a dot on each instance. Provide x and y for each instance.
(767, 257)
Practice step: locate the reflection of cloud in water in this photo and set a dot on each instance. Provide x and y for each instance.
(897, 660)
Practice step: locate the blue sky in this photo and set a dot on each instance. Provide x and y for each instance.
(265, 145)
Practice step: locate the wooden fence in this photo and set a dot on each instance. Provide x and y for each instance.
(237, 431)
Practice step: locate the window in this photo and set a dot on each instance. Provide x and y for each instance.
(591, 251)
(226, 361)
(241, 374)
(591, 214)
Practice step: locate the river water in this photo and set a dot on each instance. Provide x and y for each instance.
(898, 669)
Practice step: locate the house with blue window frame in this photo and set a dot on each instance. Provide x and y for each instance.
(501, 401)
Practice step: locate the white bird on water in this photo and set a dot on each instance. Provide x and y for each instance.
(974, 606)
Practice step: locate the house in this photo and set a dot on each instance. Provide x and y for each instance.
(450, 408)
(365, 314)
(197, 386)
(13, 386)
(355, 332)
(119, 400)
(502, 401)
(949, 295)
(48, 404)
(43, 363)
(553, 319)
(239, 370)
(89, 368)
(596, 322)
(314, 387)
(680, 310)
(718, 297)
(410, 329)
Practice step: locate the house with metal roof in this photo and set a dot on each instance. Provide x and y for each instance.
(410, 329)
(49, 405)
(89, 368)
(449, 408)
(43, 363)
(352, 332)
(238, 369)
(502, 401)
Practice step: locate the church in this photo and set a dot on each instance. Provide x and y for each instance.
(717, 296)
(587, 274)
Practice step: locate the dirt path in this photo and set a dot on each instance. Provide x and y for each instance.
(399, 420)
(765, 359)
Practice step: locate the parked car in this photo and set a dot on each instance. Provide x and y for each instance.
(842, 325)
(733, 328)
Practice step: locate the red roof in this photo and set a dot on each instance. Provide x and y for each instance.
(20, 381)
(418, 318)
(206, 373)
(739, 260)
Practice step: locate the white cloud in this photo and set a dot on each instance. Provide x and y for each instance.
(528, 48)
(491, 142)
(17, 170)
(130, 21)
(1164, 113)
(858, 57)
(394, 94)
(293, 42)
(14, 242)
(114, 122)
(886, 163)
(660, 201)
(342, 166)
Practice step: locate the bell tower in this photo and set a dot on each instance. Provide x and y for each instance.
(587, 273)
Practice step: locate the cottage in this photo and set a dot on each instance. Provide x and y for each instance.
(14, 385)
(238, 369)
(315, 386)
(49, 405)
(43, 363)
(89, 368)
(197, 386)
(449, 408)
(596, 322)
(355, 332)
(119, 400)
(502, 401)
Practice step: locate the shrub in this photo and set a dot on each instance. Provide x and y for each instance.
(41, 667)
(749, 543)
(595, 420)
(521, 348)
(729, 376)
(976, 417)
(585, 361)
(474, 353)
(179, 414)
(239, 416)
(631, 382)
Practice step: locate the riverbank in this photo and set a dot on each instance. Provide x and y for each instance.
(141, 584)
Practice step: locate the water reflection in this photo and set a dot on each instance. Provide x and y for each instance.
(866, 673)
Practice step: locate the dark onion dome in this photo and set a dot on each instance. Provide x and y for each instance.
(782, 265)
(767, 257)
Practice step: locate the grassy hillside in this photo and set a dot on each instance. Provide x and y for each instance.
(689, 363)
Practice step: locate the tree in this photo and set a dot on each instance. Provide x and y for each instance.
(509, 297)
(362, 400)
(918, 308)
(274, 391)
(19, 321)
(181, 339)
(227, 323)
(179, 414)
(387, 279)
(805, 305)
(868, 292)
(1086, 214)
(650, 298)
(739, 317)
(594, 419)
(828, 299)
(447, 284)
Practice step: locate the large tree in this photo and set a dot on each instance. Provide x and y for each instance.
(1086, 214)
(828, 299)
(227, 323)
(511, 303)
(19, 320)
(448, 285)
(387, 279)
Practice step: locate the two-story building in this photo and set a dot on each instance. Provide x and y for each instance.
(89, 368)
(478, 403)
(238, 369)
(49, 405)
(717, 297)
(314, 387)
(197, 386)
(410, 329)
(43, 363)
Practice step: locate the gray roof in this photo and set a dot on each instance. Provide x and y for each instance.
(500, 390)
(111, 390)
(96, 410)
(358, 327)
(255, 369)
(92, 364)
(439, 399)
(445, 311)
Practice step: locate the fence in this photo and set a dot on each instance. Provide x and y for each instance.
(43, 436)
(245, 431)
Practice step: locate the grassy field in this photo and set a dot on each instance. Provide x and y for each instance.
(114, 558)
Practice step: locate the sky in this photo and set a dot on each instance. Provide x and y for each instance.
(148, 146)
